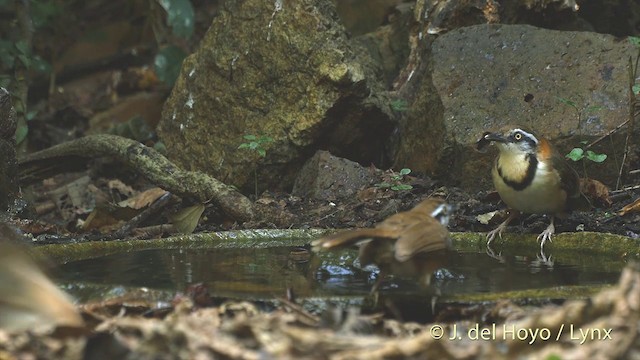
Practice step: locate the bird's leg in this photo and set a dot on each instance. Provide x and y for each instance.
(547, 233)
(376, 285)
(498, 231)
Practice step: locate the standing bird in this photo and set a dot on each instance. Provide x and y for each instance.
(532, 177)
(407, 243)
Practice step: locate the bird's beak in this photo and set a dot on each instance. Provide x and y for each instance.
(487, 138)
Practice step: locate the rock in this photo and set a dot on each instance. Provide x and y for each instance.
(487, 76)
(284, 70)
(8, 165)
(326, 177)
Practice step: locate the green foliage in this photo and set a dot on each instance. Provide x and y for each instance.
(634, 40)
(136, 128)
(577, 154)
(180, 16)
(43, 12)
(21, 133)
(255, 143)
(567, 102)
(168, 63)
(399, 105)
(396, 181)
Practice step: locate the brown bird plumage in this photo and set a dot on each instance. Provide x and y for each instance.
(404, 244)
(27, 297)
(532, 177)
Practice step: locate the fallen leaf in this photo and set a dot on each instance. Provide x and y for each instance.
(634, 207)
(595, 191)
(143, 199)
(186, 220)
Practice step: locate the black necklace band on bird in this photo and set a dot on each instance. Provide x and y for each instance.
(528, 177)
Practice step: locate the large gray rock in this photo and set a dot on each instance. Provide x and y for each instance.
(282, 69)
(487, 76)
(326, 177)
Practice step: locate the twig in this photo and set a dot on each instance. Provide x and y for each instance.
(628, 188)
(596, 141)
(632, 107)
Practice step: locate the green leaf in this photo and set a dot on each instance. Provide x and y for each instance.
(31, 115)
(7, 53)
(168, 62)
(253, 145)
(21, 133)
(160, 147)
(186, 220)
(597, 158)
(180, 16)
(399, 105)
(43, 12)
(594, 108)
(249, 137)
(383, 185)
(401, 187)
(262, 152)
(25, 60)
(22, 47)
(636, 89)
(405, 171)
(567, 102)
(40, 65)
(243, 146)
(634, 40)
(576, 154)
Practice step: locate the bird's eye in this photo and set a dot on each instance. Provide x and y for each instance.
(517, 136)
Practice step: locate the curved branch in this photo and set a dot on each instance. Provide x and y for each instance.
(148, 162)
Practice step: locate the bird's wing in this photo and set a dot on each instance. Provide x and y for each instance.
(426, 236)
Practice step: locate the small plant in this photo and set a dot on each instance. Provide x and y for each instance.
(581, 153)
(396, 181)
(578, 153)
(399, 105)
(255, 143)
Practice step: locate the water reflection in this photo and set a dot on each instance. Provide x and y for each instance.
(268, 273)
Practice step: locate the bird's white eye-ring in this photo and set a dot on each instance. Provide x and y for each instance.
(517, 136)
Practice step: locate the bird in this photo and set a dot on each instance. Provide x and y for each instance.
(409, 243)
(28, 298)
(532, 177)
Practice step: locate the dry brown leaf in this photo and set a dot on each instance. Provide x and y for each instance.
(634, 207)
(595, 191)
(143, 199)
(123, 188)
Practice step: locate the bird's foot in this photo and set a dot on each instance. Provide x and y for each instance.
(497, 231)
(547, 234)
(543, 259)
(492, 254)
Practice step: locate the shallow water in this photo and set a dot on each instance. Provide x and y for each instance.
(268, 273)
